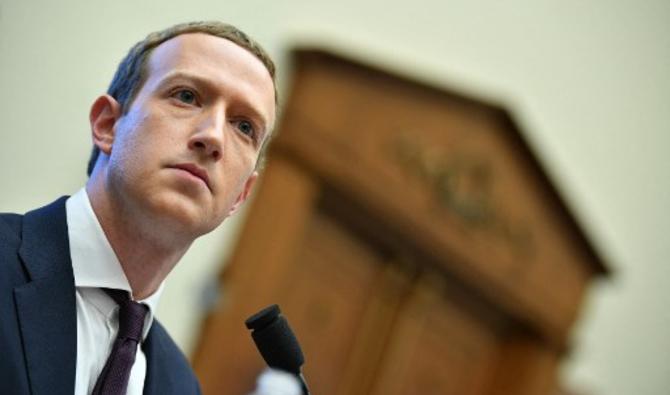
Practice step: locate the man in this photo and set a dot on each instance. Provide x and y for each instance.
(177, 140)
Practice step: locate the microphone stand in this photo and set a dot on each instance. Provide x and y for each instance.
(303, 384)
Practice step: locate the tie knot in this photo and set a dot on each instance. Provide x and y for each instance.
(131, 315)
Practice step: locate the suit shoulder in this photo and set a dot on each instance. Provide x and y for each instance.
(10, 240)
(10, 228)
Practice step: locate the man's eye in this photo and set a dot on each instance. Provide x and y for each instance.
(185, 96)
(246, 127)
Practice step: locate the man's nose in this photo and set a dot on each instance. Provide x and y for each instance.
(209, 135)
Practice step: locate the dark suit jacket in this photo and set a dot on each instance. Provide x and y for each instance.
(38, 317)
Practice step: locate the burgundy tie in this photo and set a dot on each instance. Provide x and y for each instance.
(113, 379)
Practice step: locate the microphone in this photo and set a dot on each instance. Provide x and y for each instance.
(276, 342)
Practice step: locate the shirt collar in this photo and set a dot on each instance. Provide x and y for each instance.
(94, 262)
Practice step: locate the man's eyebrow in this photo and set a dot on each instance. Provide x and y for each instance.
(205, 83)
(176, 75)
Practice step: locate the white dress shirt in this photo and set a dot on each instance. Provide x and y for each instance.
(96, 266)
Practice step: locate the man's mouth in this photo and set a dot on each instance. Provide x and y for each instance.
(195, 171)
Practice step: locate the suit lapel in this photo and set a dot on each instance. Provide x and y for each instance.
(150, 382)
(168, 372)
(46, 305)
(158, 379)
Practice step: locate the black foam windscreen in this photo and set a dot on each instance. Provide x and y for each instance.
(275, 340)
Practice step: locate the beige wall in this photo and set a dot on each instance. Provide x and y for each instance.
(589, 82)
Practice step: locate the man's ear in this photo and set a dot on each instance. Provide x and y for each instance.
(104, 113)
(248, 186)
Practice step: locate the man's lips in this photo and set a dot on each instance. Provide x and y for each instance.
(195, 170)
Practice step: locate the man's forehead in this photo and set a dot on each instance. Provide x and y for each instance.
(189, 48)
(212, 57)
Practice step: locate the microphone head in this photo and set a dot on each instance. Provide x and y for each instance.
(263, 318)
(275, 340)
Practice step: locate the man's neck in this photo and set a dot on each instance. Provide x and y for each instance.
(145, 257)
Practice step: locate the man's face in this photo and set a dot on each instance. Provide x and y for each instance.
(186, 150)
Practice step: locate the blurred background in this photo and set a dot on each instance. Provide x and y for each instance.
(587, 83)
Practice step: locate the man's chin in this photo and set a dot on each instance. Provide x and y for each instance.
(182, 215)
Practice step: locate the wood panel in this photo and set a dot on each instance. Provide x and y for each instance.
(437, 348)
(326, 293)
